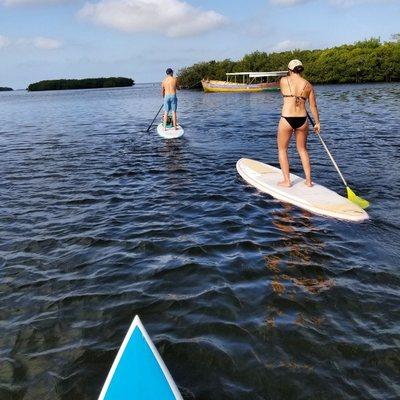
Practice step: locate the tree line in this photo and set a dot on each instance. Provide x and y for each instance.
(5, 89)
(365, 61)
(89, 83)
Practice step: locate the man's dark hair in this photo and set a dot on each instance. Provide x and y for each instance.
(169, 71)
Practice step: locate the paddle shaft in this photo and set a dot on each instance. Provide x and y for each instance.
(329, 153)
(158, 112)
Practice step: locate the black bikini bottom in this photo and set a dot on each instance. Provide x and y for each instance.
(296, 122)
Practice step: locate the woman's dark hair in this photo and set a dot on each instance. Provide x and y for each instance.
(298, 69)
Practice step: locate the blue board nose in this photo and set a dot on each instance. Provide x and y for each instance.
(138, 372)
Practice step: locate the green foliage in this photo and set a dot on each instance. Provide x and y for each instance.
(365, 61)
(5, 89)
(90, 83)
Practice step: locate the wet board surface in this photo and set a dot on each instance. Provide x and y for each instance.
(317, 199)
(170, 133)
(138, 371)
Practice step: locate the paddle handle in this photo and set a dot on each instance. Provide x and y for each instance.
(158, 112)
(329, 153)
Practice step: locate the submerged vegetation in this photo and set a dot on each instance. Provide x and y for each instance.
(5, 89)
(365, 61)
(89, 83)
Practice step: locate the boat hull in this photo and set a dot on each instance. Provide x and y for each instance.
(213, 86)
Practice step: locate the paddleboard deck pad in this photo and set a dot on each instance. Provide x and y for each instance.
(169, 132)
(138, 371)
(316, 199)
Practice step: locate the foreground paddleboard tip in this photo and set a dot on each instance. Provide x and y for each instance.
(138, 370)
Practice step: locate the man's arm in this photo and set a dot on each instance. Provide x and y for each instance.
(177, 84)
(163, 89)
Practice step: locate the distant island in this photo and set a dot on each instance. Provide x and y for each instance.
(365, 61)
(89, 83)
(5, 89)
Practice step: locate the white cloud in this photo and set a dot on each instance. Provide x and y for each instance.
(4, 41)
(289, 2)
(46, 43)
(338, 3)
(287, 45)
(173, 18)
(350, 3)
(38, 42)
(12, 3)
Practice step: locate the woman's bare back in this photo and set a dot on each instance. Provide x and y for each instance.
(295, 90)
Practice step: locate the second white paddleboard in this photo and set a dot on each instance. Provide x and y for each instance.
(317, 199)
(170, 133)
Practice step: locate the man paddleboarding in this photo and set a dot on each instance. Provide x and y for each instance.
(169, 87)
(296, 91)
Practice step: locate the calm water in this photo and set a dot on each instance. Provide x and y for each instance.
(244, 296)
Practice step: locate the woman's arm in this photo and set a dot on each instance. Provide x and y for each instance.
(314, 110)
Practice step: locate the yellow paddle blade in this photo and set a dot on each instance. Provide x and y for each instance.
(356, 199)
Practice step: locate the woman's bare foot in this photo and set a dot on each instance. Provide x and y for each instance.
(308, 183)
(285, 183)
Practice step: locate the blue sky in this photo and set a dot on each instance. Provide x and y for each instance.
(51, 39)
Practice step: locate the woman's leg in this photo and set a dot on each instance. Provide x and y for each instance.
(284, 134)
(301, 143)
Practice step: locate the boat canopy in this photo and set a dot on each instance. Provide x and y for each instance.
(252, 77)
(258, 74)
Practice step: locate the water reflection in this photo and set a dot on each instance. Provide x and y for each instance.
(291, 265)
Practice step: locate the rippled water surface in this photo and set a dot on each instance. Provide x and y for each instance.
(245, 297)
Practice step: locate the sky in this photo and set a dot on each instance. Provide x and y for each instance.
(139, 39)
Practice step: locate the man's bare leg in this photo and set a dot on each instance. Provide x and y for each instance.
(174, 120)
(165, 120)
(301, 143)
(284, 134)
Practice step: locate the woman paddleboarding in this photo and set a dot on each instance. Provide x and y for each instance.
(296, 91)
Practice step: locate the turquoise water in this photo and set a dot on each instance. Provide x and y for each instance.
(245, 297)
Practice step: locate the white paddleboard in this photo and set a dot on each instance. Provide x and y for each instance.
(170, 133)
(316, 199)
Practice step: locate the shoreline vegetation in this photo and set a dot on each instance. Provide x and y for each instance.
(88, 83)
(5, 89)
(365, 61)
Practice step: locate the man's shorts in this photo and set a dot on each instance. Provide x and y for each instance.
(170, 102)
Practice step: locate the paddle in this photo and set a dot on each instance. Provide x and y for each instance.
(158, 112)
(350, 194)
